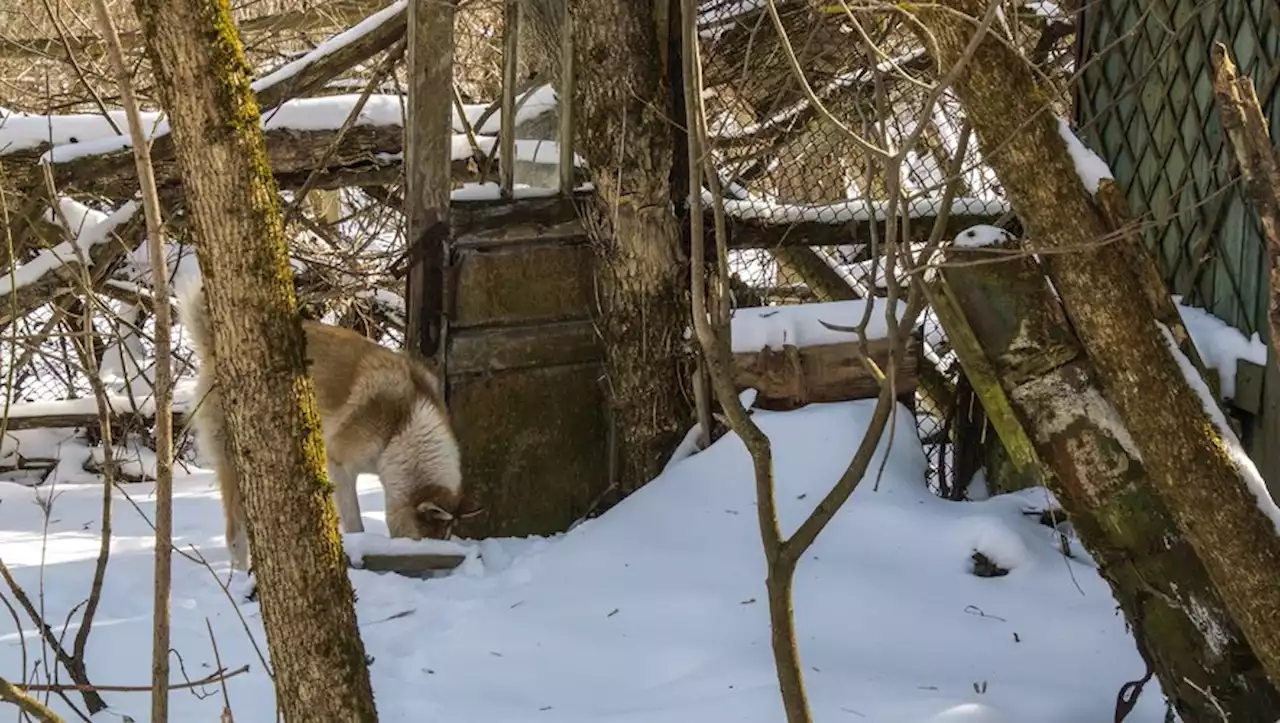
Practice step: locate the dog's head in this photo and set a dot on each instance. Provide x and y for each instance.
(431, 515)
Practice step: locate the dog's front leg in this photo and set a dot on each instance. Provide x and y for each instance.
(347, 499)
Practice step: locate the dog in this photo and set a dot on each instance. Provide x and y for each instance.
(381, 413)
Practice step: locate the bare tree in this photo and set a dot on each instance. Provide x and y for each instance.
(163, 384)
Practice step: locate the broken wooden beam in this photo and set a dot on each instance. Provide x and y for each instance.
(792, 376)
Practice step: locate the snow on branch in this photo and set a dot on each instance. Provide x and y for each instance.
(332, 45)
(94, 228)
(800, 325)
(1091, 169)
(854, 210)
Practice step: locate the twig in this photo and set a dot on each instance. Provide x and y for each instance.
(27, 704)
(214, 677)
(226, 716)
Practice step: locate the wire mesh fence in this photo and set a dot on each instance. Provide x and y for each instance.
(819, 155)
(1146, 105)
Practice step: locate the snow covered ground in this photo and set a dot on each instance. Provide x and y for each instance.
(654, 612)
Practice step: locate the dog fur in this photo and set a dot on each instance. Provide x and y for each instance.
(381, 413)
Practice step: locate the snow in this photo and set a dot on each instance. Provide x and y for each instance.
(24, 131)
(981, 236)
(1090, 167)
(1220, 345)
(754, 328)
(92, 230)
(183, 396)
(655, 612)
(1244, 465)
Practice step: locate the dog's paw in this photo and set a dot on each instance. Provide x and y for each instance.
(244, 587)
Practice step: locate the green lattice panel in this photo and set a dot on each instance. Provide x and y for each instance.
(1144, 100)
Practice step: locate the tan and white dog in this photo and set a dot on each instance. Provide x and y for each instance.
(381, 413)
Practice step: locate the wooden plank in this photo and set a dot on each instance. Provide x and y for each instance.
(534, 448)
(477, 351)
(1268, 445)
(523, 284)
(418, 564)
(795, 376)
(1250, 380)
(493, 222)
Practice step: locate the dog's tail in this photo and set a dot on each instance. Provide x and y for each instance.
(194, 314)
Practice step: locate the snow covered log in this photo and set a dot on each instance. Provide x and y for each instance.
(1098, 475)
(792, 355)
(123, 420)
(818, 227)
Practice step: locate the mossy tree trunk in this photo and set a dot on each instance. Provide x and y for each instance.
(1191, 466)
(1179, 621)
(258, 357)
(625, 136)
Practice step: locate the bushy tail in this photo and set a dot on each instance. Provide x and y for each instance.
(194, 314)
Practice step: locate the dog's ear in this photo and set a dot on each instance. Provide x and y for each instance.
(432, 511)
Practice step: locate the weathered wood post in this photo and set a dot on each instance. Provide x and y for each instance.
(1177, 617)
(428, 183)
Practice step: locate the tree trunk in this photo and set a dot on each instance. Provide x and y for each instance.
(626, 140)
(258, 356)
(1178, 620)
(1199, 474)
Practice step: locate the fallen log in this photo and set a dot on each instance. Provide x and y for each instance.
(792, 376)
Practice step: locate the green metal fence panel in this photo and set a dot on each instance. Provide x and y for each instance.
(1144, 101)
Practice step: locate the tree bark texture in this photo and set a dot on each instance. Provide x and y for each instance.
(1191, 466)
(626, 139)
(258, 356)
(1179, 621)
